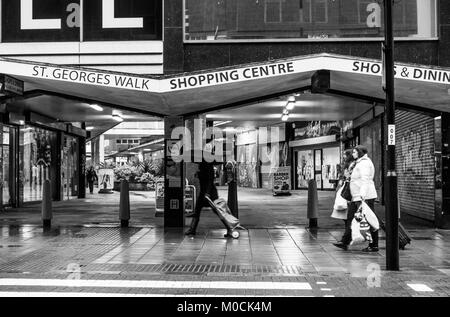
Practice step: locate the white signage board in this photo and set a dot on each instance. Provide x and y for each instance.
(281, 180)
(106, 179)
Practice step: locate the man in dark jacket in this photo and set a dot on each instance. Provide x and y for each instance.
(206, 177)
(91, 178)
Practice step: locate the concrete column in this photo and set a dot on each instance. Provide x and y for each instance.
(174, 180)
(101, 144)
(442, 178)
(198, 143)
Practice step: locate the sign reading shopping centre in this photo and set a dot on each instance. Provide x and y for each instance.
(295, 68)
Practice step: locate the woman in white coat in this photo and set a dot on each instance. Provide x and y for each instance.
(362, 187)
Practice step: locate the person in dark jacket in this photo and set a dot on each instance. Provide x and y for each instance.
(91, 177)
(207, 187)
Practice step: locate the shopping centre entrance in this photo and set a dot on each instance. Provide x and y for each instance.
(319, 104)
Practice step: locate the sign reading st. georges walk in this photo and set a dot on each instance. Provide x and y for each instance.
(292, 67)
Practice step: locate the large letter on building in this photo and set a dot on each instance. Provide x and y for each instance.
(110, 22)
(28, 23)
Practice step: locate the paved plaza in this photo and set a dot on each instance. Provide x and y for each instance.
(86, 253)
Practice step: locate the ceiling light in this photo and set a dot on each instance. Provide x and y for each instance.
(290, 106)
(285, 117)
(89, 128)
(219, 123)
(96, 107)
(117, 117)
(291, 99)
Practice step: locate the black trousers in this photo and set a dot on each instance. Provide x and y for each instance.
(202, 202)
(91, 187)
(352, 209)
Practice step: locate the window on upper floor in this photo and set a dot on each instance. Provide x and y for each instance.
(265, 20)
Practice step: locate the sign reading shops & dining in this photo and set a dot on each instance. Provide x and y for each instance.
(227, 76)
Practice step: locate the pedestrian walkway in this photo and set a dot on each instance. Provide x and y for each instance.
(276, 256)
(37, 261)
(258, 208)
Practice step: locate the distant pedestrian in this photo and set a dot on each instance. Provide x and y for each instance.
(91, 177)
(362, 188)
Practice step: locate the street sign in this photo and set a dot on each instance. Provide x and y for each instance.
(10, 86)
(391, 134)
(383, 62)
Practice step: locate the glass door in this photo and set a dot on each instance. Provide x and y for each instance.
(305, 168)
(69, 168)
(318, 168)
(5, 198)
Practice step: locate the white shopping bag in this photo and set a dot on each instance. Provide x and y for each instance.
(370, 216)
(340, 203)
(360, 231)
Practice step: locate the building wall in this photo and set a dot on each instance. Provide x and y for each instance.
(415, 164)
(185, 57)
(81, 39)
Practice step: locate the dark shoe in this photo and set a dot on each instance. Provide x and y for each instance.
(190, 232)
(370, 249)
(341, 245)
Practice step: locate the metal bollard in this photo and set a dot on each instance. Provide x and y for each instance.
(47, 212)
(313, 204)
(124, 207)
(233, 198)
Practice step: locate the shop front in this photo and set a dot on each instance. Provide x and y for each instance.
(31, 153)
(7, 134)
(316, 154)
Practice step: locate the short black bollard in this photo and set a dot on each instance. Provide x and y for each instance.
(313, 204)
(124, 208)
(47, 212)
(233, 198)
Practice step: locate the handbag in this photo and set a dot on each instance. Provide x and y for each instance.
(346, 194)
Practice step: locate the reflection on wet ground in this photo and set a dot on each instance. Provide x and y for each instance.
(30, 249)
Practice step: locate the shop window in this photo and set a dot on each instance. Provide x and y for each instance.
(37, 157)
(273, 11)
(306, 19)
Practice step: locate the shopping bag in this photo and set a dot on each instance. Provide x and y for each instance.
(370, 216)
(340, 203)
(220, 208)
(360, 230)
(339, 214)
(345, 193)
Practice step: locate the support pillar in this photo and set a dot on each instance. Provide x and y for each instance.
(442, 170)
(82, 168)
(174, 176)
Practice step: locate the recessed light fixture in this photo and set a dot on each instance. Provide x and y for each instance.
(117, 117)
(96, 107)
(89, 128)
(291, 99)
(290, 106)
(285, 116)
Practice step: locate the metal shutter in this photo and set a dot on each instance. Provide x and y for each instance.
(415, 163)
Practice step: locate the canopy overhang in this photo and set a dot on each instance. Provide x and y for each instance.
(421, 86)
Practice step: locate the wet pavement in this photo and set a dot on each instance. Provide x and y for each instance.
(86, 253)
